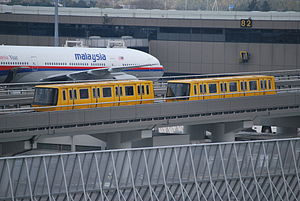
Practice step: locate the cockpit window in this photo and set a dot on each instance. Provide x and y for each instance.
(45, 96)
(178, 89)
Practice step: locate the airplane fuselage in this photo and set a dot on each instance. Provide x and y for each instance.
(33, 63)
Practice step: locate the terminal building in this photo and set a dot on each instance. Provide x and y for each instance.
(188, 42)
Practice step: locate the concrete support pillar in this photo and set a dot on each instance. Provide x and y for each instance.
(225, 132)
(124, 139)
(287, 131)
(196, 132)
(73, 147)
(113, 141)
(219, 135)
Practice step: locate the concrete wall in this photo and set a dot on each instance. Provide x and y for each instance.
(221, 57)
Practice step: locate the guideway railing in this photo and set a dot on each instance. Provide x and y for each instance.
(254, 170)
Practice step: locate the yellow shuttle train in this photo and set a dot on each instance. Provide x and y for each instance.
(133, 92)
(221, 87)
(100, 94)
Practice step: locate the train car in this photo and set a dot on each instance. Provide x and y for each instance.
(221, 87)
(92, 94)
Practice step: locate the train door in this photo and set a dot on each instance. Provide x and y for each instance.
(263, 83)
(202, 91)
(244, 88)
(95, 96)
(271, 85)
(83, 98)
(145, 93)
(65, 100)
(224, 90)
(72, 95)
(194, 93)
(119, 89)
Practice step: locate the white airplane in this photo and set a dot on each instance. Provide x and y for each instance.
(33, 63)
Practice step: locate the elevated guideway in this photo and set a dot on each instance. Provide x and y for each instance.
(257, 170)
(94, 121)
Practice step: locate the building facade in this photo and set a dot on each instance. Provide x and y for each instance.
(189, 42)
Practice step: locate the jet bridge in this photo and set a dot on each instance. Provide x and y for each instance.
(254, 170)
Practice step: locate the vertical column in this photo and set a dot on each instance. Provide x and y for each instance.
(219, 135)
(196, 132)
(113, 141)
(73, 147)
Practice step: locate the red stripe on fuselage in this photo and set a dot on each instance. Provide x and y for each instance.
(71, 67)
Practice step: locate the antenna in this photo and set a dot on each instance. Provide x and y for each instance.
(56, 39)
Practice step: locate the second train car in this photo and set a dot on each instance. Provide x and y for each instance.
(221, 87)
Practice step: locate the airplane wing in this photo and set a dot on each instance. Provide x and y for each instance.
(98, 73)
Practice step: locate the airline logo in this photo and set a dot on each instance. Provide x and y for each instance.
(93, 57)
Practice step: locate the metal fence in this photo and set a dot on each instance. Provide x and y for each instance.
(256, 170)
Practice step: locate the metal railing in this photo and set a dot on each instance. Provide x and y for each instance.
(256, 170)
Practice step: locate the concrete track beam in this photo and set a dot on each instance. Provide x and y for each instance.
(121, 140)
(221, 132)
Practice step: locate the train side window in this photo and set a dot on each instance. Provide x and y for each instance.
(129, 91)
(143, 89)
(64, 95)
(147, 90)
(83, 93)
(195, 89)
(223, 87)
(106, 91)
(203, 88)
(232, 86)
(253, 85)
(212, 88)
(96, 92)
(244, 86)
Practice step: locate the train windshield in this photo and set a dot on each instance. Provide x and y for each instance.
(45, 96)
(178, 89)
